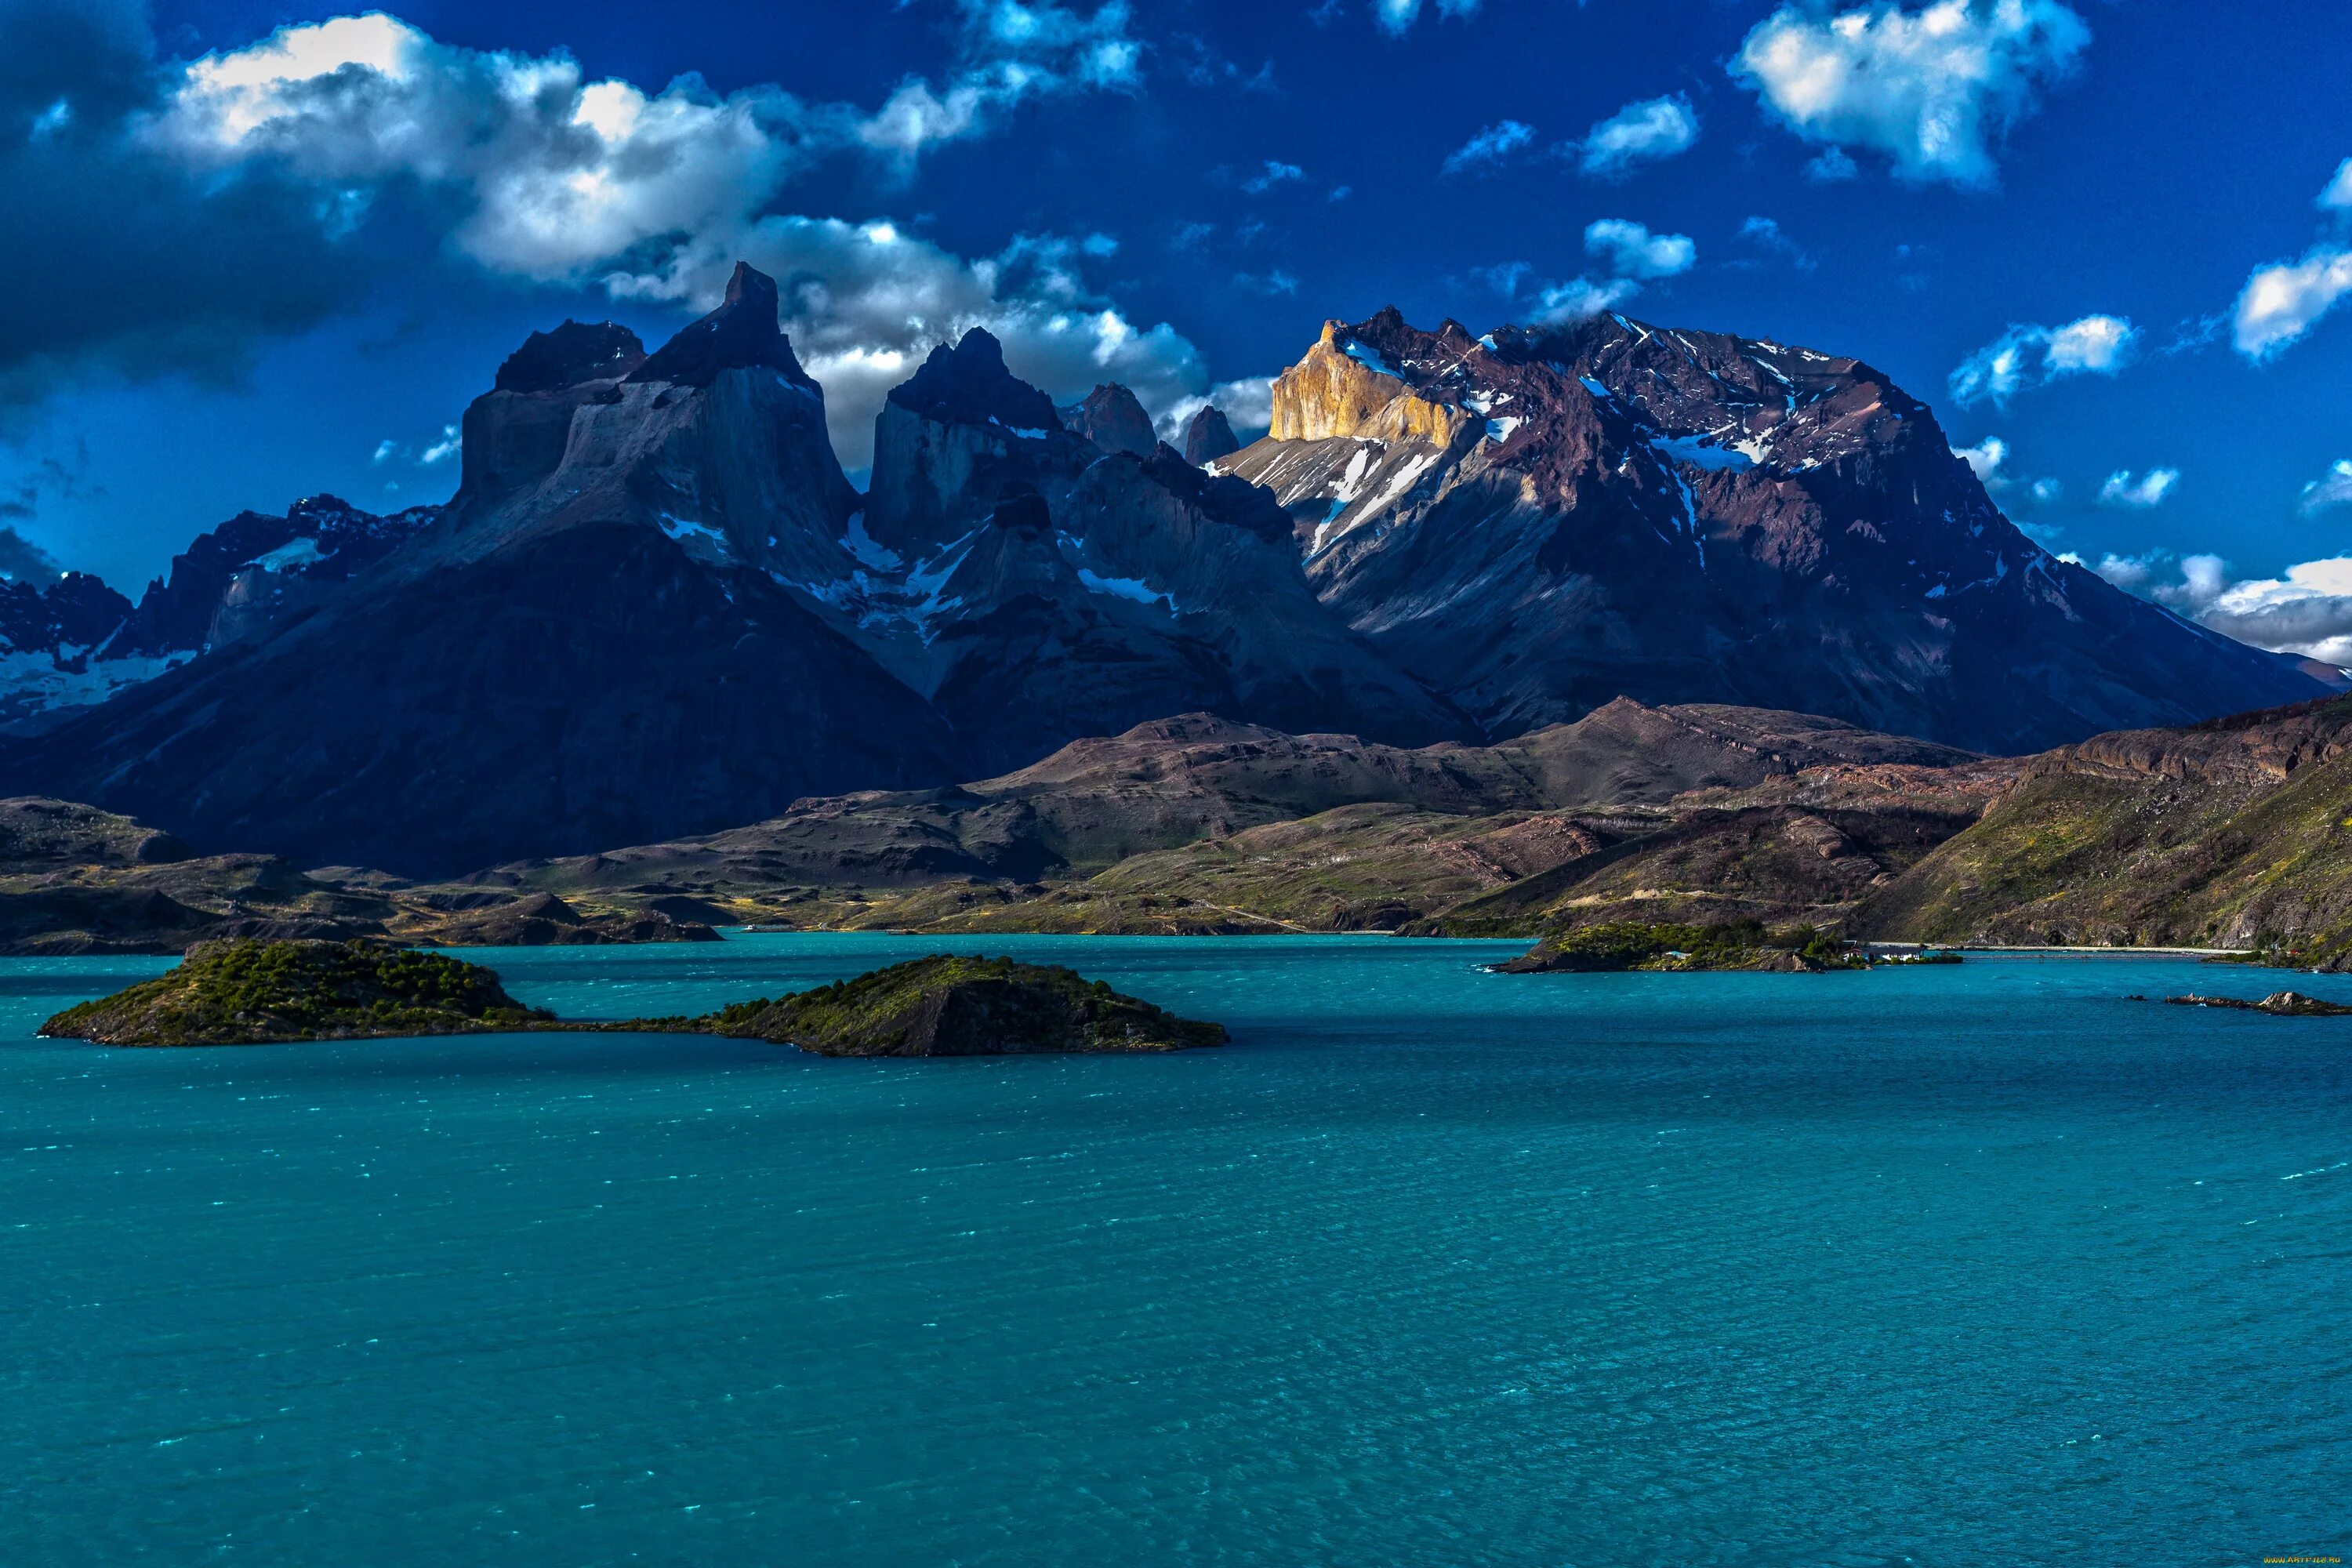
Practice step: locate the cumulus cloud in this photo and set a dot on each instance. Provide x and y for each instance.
(1985, 458)
(864, 302)
(553, 175)
(1933, 89)
(1646, 132)
(2307, 612)
(1633, 251)
(2138, 492)
(141, 269)
(2027, 357)
(2286, 298)
(1492, 145)
(1630, 255)
(1583, 297)
(2331, 489)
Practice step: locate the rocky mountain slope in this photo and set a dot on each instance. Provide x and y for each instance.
(1535, 522)
(587, 647)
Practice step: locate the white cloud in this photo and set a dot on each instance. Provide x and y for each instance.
(1633, 251)
(1985, 458)
(2139, 493)
(1633, 255)
(2027, 357)
(1933, 89)
(386, 450)
(2046, 490)
(2307, 612)
(555, 175)
(2285, 299)
(1395, 17)
(2337, 195)
(2331, 489)
(1653, 129)
(1493, 144)
(1580, 298)
(444, 449)
(1274, 174)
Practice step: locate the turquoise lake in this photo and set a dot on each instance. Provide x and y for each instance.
(1985, 1265)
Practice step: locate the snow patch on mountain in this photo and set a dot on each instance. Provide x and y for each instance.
(1134, 588)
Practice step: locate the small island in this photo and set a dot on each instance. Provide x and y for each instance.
(251, 991)
(2278, 1005)
(945, 1005)
(1615, 946)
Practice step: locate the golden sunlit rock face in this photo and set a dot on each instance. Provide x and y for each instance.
(1330, 393)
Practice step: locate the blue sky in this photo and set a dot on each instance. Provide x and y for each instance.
(278, 262)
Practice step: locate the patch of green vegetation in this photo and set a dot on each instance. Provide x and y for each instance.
(255, 992)
(951, 1005)
(1615, 945)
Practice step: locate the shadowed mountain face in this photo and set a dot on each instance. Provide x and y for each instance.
(1209, 437)
(1535, 522)
(588, 647)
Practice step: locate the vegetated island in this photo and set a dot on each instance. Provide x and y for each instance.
(1613, 946)
(260, 993)
(2278, 1004)
(947, 1006)
(252, 992)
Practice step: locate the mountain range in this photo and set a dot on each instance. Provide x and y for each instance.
(656, 606)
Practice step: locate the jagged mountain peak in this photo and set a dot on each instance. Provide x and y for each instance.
(1113, 418)
(1209, 435)
(743, 333)
(573, 353)
(966, 383)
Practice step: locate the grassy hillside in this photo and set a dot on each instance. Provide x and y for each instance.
(2235, 834)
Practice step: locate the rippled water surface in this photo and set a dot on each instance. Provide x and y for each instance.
(1973, 1266)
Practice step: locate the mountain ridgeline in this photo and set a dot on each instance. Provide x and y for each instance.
(657, 607)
